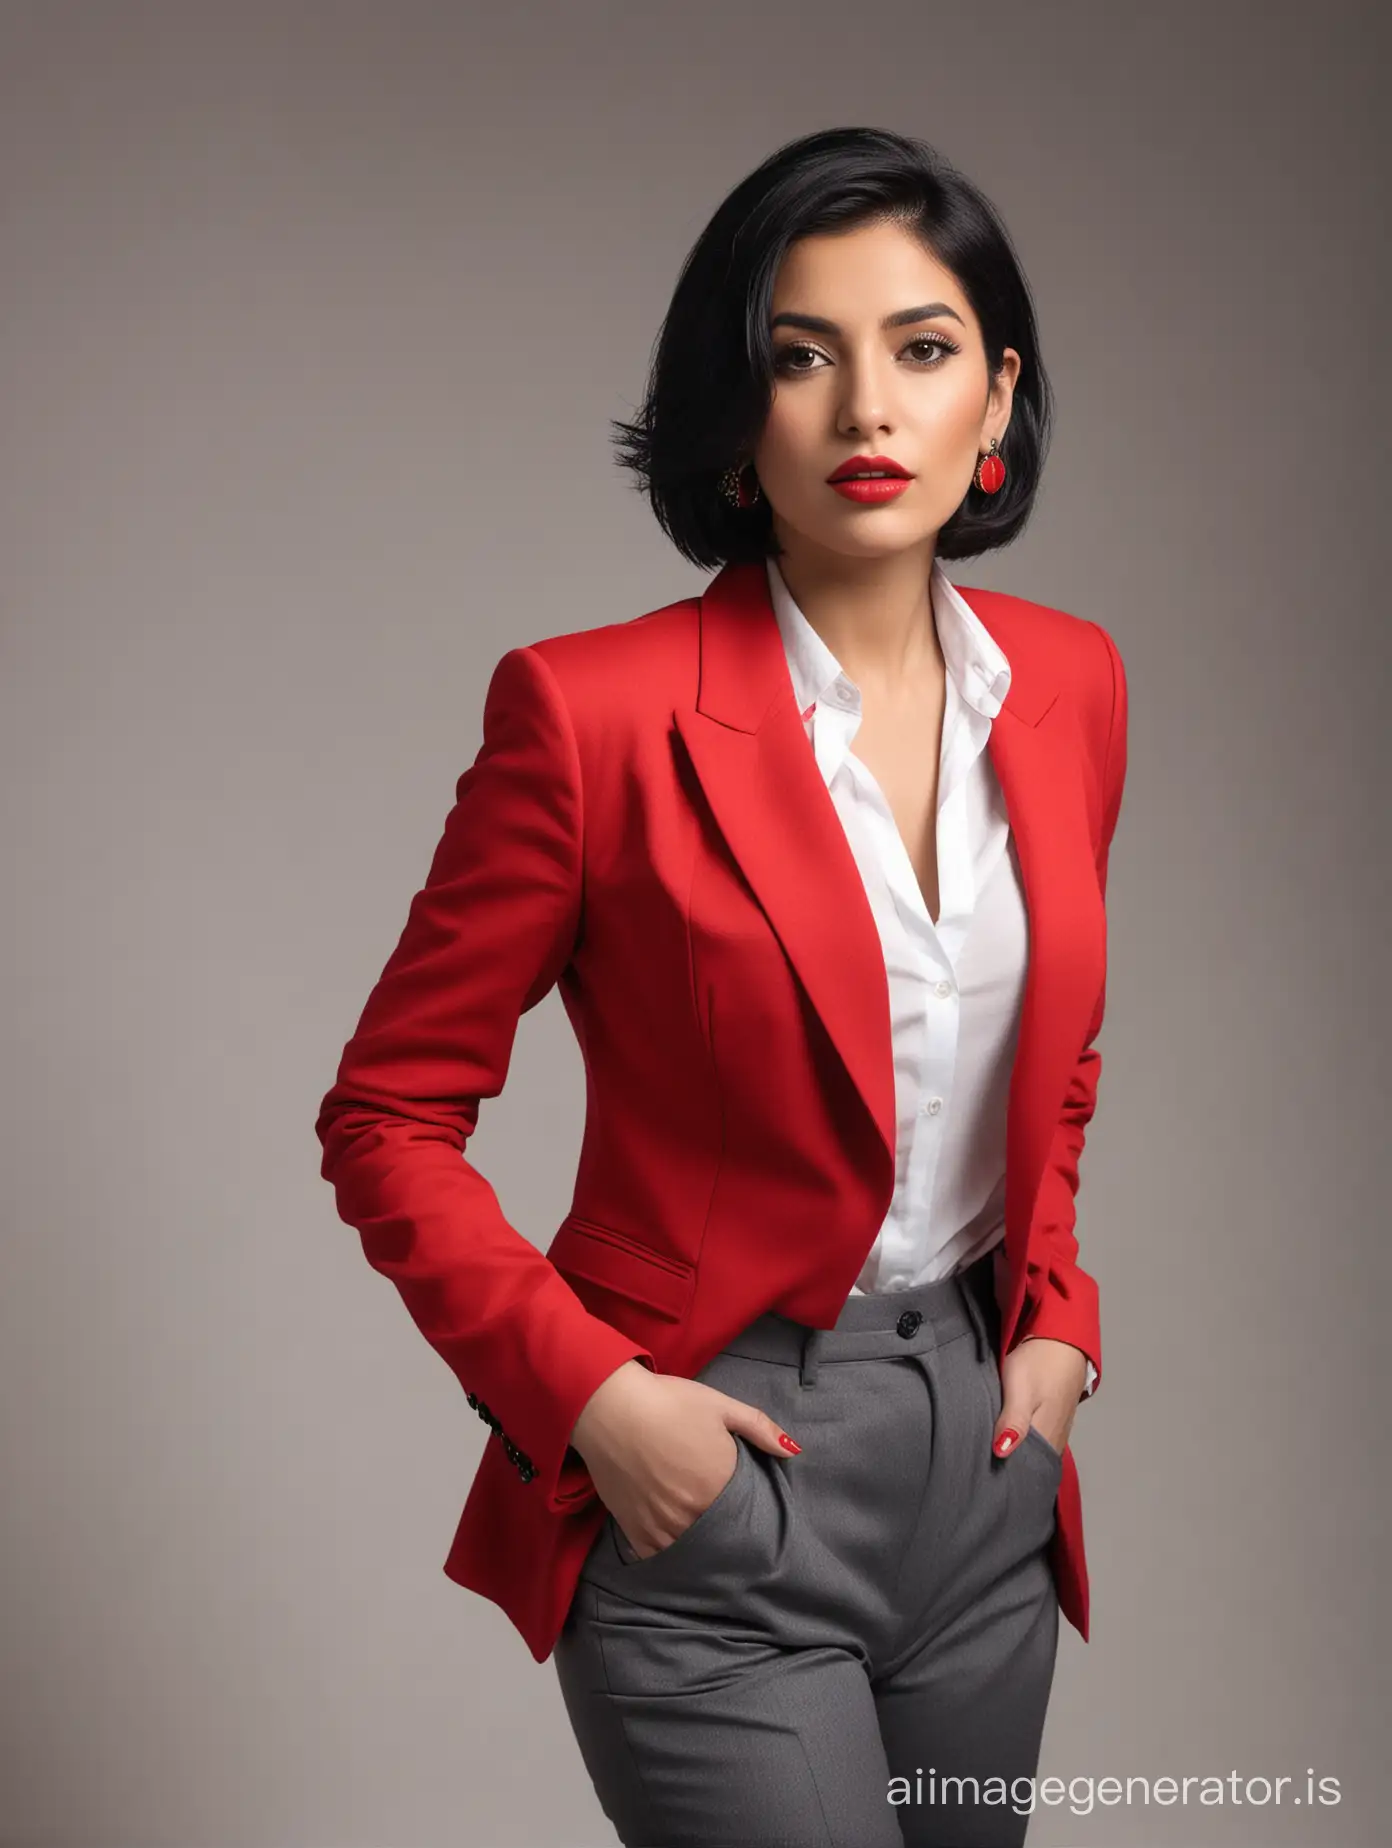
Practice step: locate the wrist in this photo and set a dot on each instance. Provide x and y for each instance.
(598, 1409)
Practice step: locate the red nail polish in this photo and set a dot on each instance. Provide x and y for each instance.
(788, 1444)
(1007, 1439)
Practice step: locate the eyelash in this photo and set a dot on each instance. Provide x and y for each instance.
(943, 345)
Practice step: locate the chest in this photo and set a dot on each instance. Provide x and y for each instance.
(902, 750)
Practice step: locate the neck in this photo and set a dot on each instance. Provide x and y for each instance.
(874, 614)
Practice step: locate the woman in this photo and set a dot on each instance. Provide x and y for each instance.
(817, 859)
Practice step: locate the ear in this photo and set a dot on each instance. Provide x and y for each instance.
(1001, 397)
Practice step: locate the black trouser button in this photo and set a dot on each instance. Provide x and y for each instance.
(908, 1323)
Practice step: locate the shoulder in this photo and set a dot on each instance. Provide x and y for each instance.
(655, 636)
(607, 678)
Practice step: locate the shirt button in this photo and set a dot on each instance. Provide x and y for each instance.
(943, 990)
(931, 1108)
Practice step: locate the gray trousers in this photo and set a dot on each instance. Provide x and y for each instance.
(838, 1632)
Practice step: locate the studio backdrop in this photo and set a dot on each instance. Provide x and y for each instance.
(315, 319)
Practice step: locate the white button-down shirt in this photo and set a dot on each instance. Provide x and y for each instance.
(956, 983)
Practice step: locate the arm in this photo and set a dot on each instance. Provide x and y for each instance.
(485, 939)
(1060, 1297)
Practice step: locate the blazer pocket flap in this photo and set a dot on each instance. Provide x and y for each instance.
(617, 1262)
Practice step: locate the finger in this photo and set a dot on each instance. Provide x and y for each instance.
(760, 1429)
(1010, 1428)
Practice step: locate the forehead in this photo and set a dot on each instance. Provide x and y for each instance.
(863, 273)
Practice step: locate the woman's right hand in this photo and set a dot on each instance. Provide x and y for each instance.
(659, 1449)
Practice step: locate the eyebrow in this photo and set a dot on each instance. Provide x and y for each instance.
(903, 317)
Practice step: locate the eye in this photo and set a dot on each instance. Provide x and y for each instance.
(938, 344)
(785, 353)
(935, 348)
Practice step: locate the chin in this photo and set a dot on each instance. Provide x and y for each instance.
(877, 538)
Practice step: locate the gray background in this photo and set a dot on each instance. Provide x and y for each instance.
(313, 319)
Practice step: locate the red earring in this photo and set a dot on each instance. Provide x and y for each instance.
(990, 470)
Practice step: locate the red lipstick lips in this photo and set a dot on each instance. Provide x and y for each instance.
(868, 465)
(870, 479)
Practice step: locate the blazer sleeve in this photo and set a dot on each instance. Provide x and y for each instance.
(1060, 1297)
(485, 939)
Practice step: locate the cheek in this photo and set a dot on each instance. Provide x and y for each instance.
(950, 448)
(952, 413)
(787, 438)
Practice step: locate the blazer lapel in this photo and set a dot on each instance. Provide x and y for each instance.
(749, 750)
(748, 747)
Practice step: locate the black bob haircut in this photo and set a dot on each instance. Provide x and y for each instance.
(711, 380)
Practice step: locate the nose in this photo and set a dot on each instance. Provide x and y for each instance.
(865, 393)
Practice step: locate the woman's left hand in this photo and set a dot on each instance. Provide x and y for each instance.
(1042, 1381)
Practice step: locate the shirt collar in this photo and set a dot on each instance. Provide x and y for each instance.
(971, 654)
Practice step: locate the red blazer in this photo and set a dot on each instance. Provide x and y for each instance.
(645, 826)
